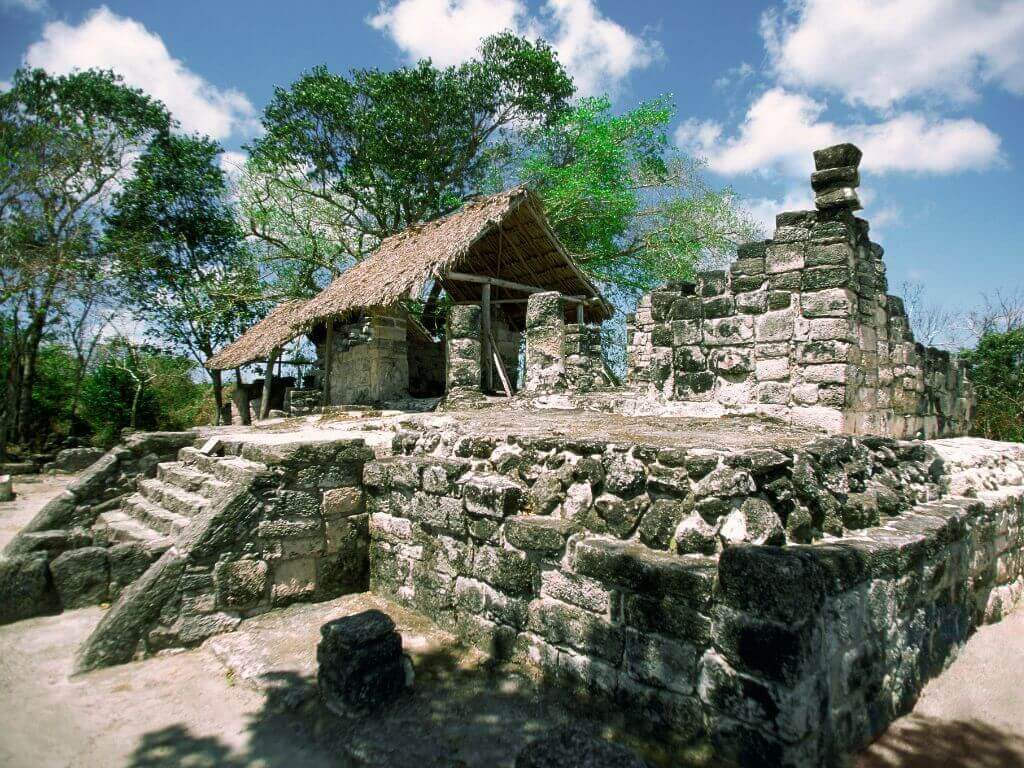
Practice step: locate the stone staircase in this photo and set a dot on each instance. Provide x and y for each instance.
(164, 505)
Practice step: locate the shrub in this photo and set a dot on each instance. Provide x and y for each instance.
(997, 370)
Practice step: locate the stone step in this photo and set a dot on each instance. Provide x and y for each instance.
(185, 477)
(190, 479)
(117, 527)
(151, 514)
(172, 498)
(229, 469)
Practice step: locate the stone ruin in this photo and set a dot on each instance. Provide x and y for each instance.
(757, 588)
(800, 328)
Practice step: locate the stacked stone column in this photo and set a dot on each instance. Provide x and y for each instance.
(464, 354)
(545, 343)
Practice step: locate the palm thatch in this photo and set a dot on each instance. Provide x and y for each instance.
(504, 236)
(275, 330)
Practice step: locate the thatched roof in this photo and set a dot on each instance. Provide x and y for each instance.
(502, 236)
(275, 330)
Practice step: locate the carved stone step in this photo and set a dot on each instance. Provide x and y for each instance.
(117, 527)
(172, 498)
(155, 516)
(229, 469)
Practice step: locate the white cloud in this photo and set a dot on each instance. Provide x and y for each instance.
(109, 41)
(781, 129)
(762, 210)
(32, 6)
(447, 31)
(232, 163)
(879, 52)
(598, 52)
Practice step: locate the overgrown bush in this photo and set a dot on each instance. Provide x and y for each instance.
(997, 370)
(143, 388)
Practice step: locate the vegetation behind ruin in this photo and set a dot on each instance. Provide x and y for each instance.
(129, 255)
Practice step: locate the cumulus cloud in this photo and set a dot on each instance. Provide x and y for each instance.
(879, 52)
(596, 50)
(782, 128)
(108, 41)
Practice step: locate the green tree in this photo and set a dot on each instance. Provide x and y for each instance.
(117, 393)
(997, 370)
(65, 143)
(631, 207)
(183, 262)
(375, 152)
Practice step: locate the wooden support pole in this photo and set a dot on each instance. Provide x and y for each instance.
(328, 361)
(268, 383)
(485, 327)
(579, 315)
(501, 369)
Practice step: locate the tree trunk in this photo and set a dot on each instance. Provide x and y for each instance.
(134, 421)
(28, 376)
(268, 382)
(218, 395)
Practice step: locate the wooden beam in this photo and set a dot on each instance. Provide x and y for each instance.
(328, 360)
(501, 369)
(485, 325)
(463, 277)
(268, 382)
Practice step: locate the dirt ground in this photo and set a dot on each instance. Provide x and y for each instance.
(248, 699)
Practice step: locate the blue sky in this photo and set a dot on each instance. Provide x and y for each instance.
(933, 90)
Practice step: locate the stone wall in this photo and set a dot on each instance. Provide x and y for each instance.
(800, 328)
(370, 362)
(302, 402)
(630, 573)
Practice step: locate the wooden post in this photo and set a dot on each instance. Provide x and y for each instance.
(501, 368)
(268, 382)
(579, 315)
(485, 326)
(328, 361)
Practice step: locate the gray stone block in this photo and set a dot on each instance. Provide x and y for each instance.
(81, 577)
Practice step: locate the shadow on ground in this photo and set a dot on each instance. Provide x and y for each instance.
(454, 716)
(920, 742)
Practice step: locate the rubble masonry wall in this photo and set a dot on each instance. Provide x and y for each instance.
(656, 580)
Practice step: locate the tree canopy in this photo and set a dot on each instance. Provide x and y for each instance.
(348, 160)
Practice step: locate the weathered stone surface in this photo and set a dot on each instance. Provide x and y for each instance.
(492, 496)
(837, 156)
(576, 746)
(360, 665)
(81, 577)
(241, 583)
(754, 522)
(74, 459)
(6, 488)
(539, 534)
(25, 588)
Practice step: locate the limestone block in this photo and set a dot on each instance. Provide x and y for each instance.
(661, 662)
(772, 392)
(293, 580)
(343, 502)
(576, 590)
(81, 576)
(732, 360)
(6, 488)
(828, 419)
(832, 302)
(686, 332)
(752, 303)
(509, 570)
(754, 522)
(537, 533)
(805, 394)
(719, 306)
(846, 175)
(494, 496)
(772, 369)
(564, 624)
(360, 664)
(713, 282)
(775, 326)
(659, 523)
(25, 587)
(728, 331)
(784, 257)
(837, 156)
(694, 535)
(241, 584)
